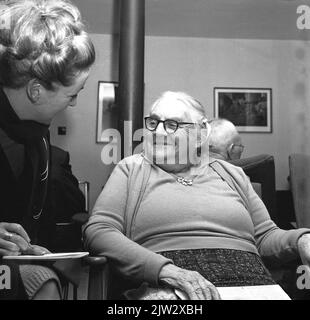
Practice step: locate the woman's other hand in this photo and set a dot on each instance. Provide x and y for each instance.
(192, 283)
(36, 250)
(304, 249)
(13, 239)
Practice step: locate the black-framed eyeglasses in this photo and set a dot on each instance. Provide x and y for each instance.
(170, 126)
(239, 146)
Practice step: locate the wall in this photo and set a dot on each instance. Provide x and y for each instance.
(197, 65)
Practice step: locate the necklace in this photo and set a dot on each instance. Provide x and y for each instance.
(182, 180)
(188, 182)
(185, 182)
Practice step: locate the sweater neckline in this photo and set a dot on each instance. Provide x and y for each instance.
(186, 180)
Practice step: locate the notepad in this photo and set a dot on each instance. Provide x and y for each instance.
(49, 256)
(263, 292)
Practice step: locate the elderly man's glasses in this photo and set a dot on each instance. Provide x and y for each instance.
(170, 126)
(239, 146)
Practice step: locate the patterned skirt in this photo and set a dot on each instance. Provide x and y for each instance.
(223, 267)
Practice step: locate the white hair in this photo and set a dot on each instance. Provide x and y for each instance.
(185, 98)
(223, 133)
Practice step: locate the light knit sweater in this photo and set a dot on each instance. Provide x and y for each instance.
(159, 214)
(35, 276)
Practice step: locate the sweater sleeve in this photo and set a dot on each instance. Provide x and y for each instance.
(104, 233)
(271, 241)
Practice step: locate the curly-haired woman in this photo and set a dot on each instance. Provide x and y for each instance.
(45, 57)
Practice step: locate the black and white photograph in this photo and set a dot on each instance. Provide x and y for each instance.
(249, 109)
(155, 150)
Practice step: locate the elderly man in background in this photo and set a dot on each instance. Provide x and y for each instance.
(225, 141)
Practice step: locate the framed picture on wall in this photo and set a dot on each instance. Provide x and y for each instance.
(249, 109)
(107, 110)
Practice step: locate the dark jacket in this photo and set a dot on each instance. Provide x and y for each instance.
(19, 165)
(67, 198)
(17, 188)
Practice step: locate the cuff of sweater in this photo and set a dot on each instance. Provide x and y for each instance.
(298, 233)
(301, 232)
(153, 266)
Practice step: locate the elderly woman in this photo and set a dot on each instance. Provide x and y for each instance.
(171, 218)
(45, 57)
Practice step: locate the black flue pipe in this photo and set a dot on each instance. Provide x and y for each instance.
(131, 70)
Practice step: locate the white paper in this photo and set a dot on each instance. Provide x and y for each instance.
(268, 292)
(49, 256)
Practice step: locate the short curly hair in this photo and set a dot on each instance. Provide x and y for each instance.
(46, 40)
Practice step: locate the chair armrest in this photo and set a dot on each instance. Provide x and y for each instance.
(80, 218)
(95, 261)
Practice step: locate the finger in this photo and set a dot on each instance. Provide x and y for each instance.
(16, 228)
(189, 284)
(190, 291)
(4, 234)
(196, 282)
(208, 295)
(42, 249)
(36, 250)
(4, 252)
(205, 293)
(180, 294)
(199, 290)
(215, 293)
(8, 245)
(207, 289)
(19, 241)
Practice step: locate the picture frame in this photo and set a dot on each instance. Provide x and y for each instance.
(107, 109)
(249, 109)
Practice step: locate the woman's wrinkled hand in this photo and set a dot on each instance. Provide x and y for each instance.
(192, 283)
(14, 240)
(304, 249)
